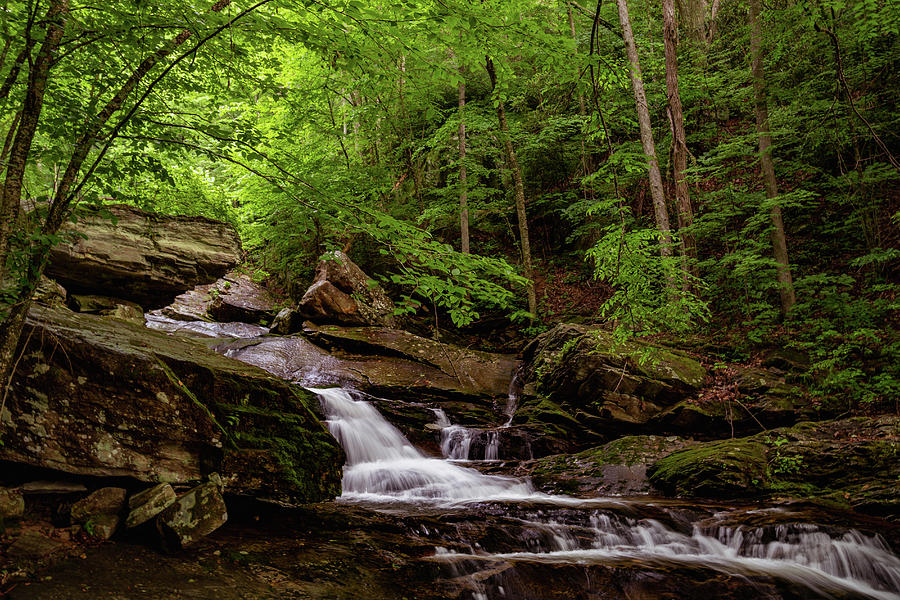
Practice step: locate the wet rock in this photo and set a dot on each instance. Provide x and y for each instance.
(618, 468)
(342, 294)
(203, 329)
(105, 501)
(194, 515)
(145, 505)
(102, 526)
(287, 321)
(12, 504)
(108, 398)
(469, 385)
(237, 298)
(145, 258)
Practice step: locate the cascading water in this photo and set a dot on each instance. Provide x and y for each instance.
(383, 467)
(457, 442)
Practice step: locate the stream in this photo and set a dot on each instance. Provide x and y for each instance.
(490, 536)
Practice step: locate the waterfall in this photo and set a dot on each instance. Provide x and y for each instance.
(383, 466)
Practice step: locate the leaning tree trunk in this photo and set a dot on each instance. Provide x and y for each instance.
(643, 112)
(513, 162)
(779, 242)
(679, 143)
(463, 193)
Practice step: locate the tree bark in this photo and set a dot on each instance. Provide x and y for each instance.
(643, 112)
(463, 193)
(694, 14)
(779, 241)
(521, 214)
(679, 142)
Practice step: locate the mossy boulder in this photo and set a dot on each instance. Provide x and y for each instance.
(618, 468)
(603, 388)
(851, 462)
(101, 397)
(723, 469)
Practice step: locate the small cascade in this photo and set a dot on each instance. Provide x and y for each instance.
(512, 401)
(383, 466)
(458, 442)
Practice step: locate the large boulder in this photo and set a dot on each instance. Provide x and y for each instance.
(581, 385)
(138, 256)
(97, 396)
(236, 297)
(342, 294)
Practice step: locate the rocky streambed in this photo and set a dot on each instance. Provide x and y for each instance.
(324, 453)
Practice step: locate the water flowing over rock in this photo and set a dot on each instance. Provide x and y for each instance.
(96, 396)
(342, 294)
(145, 258)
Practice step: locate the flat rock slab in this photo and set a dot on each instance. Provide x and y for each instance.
(34, 546)
(146, 258)
(105, 501)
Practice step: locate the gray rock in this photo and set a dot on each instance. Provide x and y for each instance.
(102, 526)
(146, 258)
(236, 297)
(194, 515)
(12, 504)
(105, 501)
(287, 321)
(145, 505)
(49, 293)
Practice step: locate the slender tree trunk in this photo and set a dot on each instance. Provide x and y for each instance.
(463, 199)
(12, 324)
(521, 214)
(679, 143)
(11, 195)
(779, 241)
(586, 166)
(643, 112)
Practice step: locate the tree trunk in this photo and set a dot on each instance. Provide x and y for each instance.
(779, 242)
(679, 143)
(12, 323)
(513, 162)
(693, 13)
(643, 112)
(586, 166)
(463, 207)
(30, 114)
